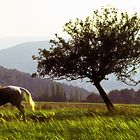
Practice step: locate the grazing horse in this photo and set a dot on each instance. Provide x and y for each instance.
(14, 95)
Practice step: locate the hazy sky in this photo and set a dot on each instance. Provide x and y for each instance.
(44, 18)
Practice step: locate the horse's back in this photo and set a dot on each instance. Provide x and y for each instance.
(4, 91)
(4, 95)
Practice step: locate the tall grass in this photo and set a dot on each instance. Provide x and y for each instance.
(63, 121)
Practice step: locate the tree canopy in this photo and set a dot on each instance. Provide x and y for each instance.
(106, 42)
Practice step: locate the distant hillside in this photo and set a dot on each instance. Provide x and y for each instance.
(20, 57)
(42, 89)
(7, 42)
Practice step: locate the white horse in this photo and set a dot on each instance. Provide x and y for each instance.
(14, 95)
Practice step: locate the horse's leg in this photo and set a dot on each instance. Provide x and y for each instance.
(22, 111)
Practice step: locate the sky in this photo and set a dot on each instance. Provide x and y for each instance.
(27, 20)
(44, 18)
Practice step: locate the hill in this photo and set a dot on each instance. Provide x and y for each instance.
(42, 89)
(20, 56)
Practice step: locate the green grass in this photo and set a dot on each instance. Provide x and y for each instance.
(69, 121)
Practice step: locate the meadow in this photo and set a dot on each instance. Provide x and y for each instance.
(71, 121)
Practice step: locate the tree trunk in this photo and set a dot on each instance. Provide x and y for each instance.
(105, 97)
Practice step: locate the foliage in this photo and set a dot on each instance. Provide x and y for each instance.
(104, 43)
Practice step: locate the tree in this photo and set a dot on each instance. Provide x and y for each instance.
(106, 42)
(123, 96)
(94, 98)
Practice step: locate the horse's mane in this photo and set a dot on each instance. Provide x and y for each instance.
(23, 89)
(27, 96)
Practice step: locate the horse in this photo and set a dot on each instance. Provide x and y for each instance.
(14, 95)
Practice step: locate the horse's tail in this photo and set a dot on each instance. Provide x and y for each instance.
(28, 97)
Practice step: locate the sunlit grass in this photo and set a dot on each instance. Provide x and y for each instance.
(72, 122)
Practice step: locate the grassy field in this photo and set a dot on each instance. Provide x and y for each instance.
(71, 121)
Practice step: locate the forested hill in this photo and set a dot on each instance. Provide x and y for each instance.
(42, 89)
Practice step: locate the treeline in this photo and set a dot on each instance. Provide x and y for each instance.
(42, 89)
(123, 96)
